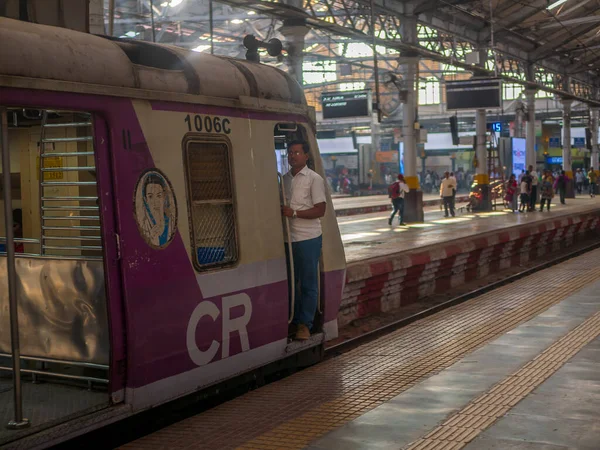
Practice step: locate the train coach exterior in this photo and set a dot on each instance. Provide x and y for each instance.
(193, 270)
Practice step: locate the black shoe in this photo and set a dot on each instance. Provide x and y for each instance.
(390, 222)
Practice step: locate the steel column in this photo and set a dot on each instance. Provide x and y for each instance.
(531, 157)
(414, 199)
(566, 153)
(18, 422)
(594, 128)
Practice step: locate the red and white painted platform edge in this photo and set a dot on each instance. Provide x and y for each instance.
(389, 282)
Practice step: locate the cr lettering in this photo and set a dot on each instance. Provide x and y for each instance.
(239, 324)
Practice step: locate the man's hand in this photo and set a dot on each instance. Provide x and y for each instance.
(286, 211)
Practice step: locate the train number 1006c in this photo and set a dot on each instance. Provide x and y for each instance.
(208, 124)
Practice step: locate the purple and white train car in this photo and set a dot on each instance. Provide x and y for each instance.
(150, 251)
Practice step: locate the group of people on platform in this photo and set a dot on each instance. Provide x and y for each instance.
(398, 190)
(549, 183)
(431, 180)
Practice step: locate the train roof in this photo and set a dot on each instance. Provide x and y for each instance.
(51, 53)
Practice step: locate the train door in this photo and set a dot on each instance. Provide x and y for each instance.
(285, 133)
(58, 269)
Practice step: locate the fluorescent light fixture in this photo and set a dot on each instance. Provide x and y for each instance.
(251, 13)
(237, 21)
(131, 34)
(175, 3)
(201, 48)
(165, 4)
(555, 4)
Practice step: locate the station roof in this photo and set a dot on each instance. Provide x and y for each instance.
(567, 31)
(552, 45)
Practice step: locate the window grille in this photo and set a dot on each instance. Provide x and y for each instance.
(212, 211)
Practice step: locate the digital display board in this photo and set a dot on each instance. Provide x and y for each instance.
(518, 155)
(345, 104)
(496, 127)
(474, 94)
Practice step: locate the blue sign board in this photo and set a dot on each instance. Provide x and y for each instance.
(579, 142)
(496, 127)
(554, 142)
(554, 160)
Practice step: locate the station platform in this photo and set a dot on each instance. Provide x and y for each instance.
(352, 206)
(390, 267)
(515, 368)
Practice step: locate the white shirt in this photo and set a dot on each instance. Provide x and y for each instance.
(303, 192)
(535, 177)
(524, 187)
(448, 184)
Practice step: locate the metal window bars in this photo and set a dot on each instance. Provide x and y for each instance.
(70, 224)
(212, 205)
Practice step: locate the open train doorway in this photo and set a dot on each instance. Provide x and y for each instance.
(284, 135)
(58, 268)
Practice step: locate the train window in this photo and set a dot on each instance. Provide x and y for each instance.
(211, 205)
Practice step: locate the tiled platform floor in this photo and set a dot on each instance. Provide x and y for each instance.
(396, 390)
(369, 236)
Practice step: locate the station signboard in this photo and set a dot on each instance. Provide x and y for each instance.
(474, 94)
(579, 142)
(346, 104)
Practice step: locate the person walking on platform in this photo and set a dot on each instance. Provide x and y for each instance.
(593, 178)
(453, 177)
(447, 188)
(305, 191)
(560, 185)
(534, 188)
(511, 191)
(397, 191)
(579, 180)
(525, 191)
(547, 191)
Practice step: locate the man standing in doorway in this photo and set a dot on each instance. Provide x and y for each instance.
(447, 189)
(305, 192)
(535, 179)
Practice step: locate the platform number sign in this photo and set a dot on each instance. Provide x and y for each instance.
(496, 127)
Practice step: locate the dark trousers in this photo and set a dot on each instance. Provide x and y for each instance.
(398, 204)
(592, 188)
(545, 200)
(579, 187)
(533, 197)
(562, 192)
(306, 256)
(449, 204)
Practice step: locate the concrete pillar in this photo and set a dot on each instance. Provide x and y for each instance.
(531, 156)
(566, 153)
(294, 32)
(482, 177)
(519, 119)
(96, 17)
(413, 202)
(594, 128)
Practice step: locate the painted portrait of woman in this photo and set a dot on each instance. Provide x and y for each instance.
(156, 209)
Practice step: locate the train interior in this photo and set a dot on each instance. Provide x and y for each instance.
(64, 340)
(284, 134)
